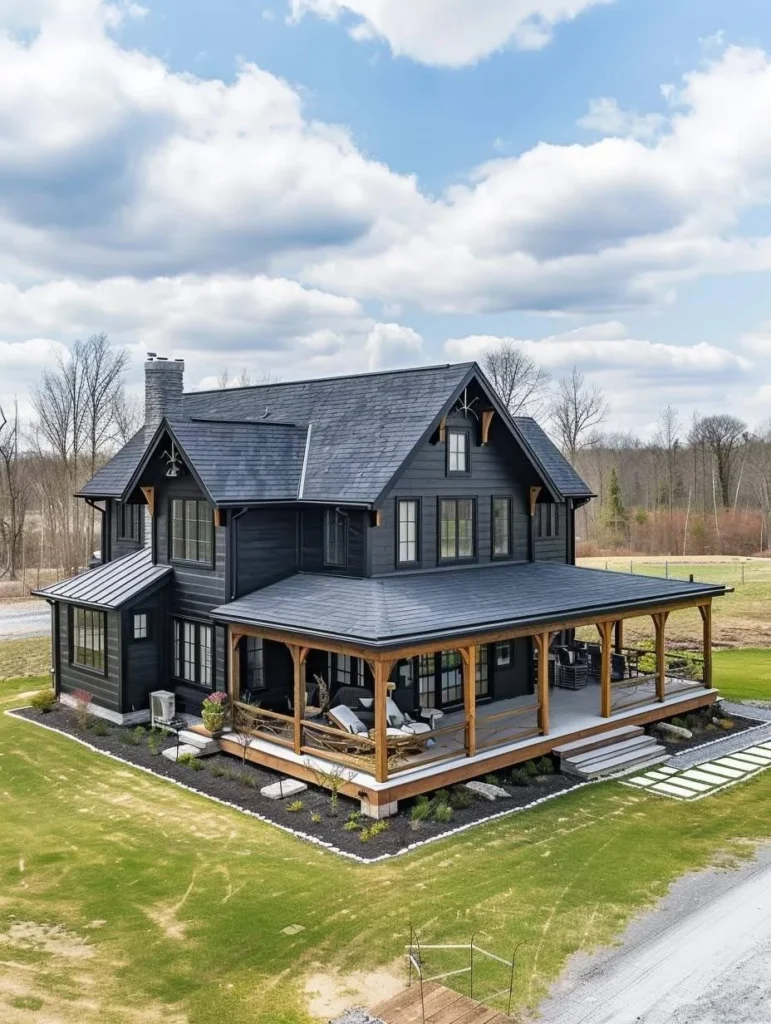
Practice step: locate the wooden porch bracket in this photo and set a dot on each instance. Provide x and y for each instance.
(218, 517)
(605, 629)
(149, 493)
(487, 419)
(442, 430)
(534, 494)
(235, 666)
(659, 622)
(705, 610)
(469, 658)
(299, 657)
(381, 670)
(542, 641)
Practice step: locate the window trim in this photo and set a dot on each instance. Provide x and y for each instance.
(509, 523)
(457, 559)
(415, 563)
(336, 511)
(178, 657)
(448, 434)
(499, 662)
(134, 639)
(247, 681)
(91, 669)
(208, 562)
(136, 520)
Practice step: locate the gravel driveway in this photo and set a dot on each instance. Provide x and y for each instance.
(24, 618)
(701, 958)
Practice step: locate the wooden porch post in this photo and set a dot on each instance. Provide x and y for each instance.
(619, 645)
(299, 657)
(606, 703)
(659, 622)
(706, 620)
(381, 670)
(235, 666)
(541, 641)
(469, 658)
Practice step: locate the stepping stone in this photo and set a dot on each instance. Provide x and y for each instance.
(756, 762)
(667, 771)
(718, 769)
(729, 762)
(641, 780)
(205, 744)
(184, 748)
(658, 775)
(766, 754)
(696, 787)
(486, 791)
(702, 776)
(672, 790)
(293, 929)
(765, 746)
(281, 790)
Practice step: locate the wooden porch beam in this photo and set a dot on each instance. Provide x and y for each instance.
(487, 419)
(149, 493)
(541, 641)
(619, 643)
(381, 673)
(469, 659)
(299, 657)
(659, 622)
(705, 611)
(605, 631)
(235, 665)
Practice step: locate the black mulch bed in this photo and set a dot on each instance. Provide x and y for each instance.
(232, 788)
(704, 730)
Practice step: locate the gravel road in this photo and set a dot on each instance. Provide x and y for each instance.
(24, 618)
(702, 957)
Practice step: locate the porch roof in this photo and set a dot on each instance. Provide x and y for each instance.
(413, 607)
(112, 585)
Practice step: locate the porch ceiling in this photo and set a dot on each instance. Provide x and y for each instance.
(415, 607)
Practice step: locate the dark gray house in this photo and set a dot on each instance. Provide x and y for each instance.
(384, 541)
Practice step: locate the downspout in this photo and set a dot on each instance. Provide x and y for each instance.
(104, 540)
(233, 551)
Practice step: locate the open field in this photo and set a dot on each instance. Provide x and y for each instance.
(29, 656)
(128, 901)
(740, 619)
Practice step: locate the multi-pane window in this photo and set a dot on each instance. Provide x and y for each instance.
(345, 670)
(452, 677)
(88, 632)
(407, 541)
(129, 522)
(193, 652)
(456, 528)
(255, 663)
(457, 451)
(191, 531)
(483, 672)
(335, 537)
(140, 626)
(427, 681)
(548, 520)
(501, 528)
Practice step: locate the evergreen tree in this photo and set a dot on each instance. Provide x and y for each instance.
(614, 514)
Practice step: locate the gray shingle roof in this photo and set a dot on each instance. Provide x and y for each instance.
(244, 462)
(112, 585)
(564, 477)
(386, 610)
(111, 479)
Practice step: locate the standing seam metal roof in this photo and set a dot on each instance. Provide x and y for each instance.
(112, 585)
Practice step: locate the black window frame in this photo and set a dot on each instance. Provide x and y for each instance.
(410, 563)
(90, 614)
(457, 431)
(344, 519)
(482, 689)
(178, 652)
(555, 519)
(254, 664)
(198, 502)
(134, 613)
(129, 525)
(457, 558)
(500, 661)
(509, 527)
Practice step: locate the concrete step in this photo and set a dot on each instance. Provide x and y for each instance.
(645, 757)
(625, 732)
(580, 760)
(203, 742)
(184, 748)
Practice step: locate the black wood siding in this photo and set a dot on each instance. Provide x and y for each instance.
(498, 469)
(312, 542)
(143, 660)
(265, 541)
(554, 549)
(105, 689)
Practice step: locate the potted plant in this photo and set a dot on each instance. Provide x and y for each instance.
(213, 712)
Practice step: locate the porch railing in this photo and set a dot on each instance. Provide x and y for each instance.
(510, 726)
(269, 725)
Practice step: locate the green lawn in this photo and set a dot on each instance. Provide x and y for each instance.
(124, 899)
(743, 674)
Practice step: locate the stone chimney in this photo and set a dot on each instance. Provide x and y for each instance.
(164, 382)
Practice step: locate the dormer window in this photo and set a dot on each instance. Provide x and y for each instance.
(335, 538)
(458, 451)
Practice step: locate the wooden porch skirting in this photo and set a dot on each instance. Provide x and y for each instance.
(416, 778)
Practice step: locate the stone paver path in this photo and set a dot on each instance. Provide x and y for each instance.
(682, 782)
(729, 745)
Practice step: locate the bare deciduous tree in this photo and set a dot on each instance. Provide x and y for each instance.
(667, 440)
(245, 379)
(575, 411)
(722, 436)
(14, 492)
(520, 382)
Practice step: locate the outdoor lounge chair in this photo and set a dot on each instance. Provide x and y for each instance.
(570, 675)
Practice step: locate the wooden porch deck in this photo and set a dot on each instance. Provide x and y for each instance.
(438, 1005)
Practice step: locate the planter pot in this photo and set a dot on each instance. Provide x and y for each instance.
(213, 723)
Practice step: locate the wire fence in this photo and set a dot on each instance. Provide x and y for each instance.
(735, 573)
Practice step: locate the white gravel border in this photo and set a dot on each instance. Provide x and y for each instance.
(12, 713)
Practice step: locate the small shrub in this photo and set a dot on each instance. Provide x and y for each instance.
(355, 816)
(82, 708)
(443, 813)
(420, 811)
(218, 771)
(99, 727)
(679, 722)
(247, 780)
(295, 807)
(190, 761)
(43, 700)
(492, 780)
(530, 768)
(726, 723)
(519, 777)
(545, 766)
(351, 825)
(231, 775)
(441, 796)
(155, 742)
(460, 798)
(139, 734)
(315, 818)
(375, 829)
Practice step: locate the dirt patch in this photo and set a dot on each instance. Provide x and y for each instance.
(329, 994)
(46, 938)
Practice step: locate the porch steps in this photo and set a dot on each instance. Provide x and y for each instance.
(619, 755)
(625, 732)
(202, 740)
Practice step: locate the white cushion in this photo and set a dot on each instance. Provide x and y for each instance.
(393, 713)
(347, 720)
(416, 728)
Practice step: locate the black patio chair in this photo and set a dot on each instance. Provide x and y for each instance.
(570, 675)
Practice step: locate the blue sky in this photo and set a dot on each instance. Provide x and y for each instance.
(320, 186)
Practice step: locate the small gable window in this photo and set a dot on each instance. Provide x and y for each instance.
(501, 528)
(456, 529)
(191, 531)
(457, 451)
(548, 519)
(407, 540)
(335, 538)
(141, 626)
(129, 522)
